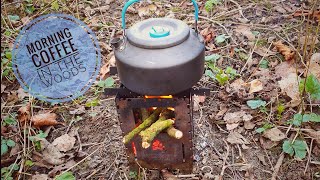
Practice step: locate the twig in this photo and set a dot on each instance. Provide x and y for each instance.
(309, 157)
(250, 56)
(240, 9)
(277, 167)
(224, 161)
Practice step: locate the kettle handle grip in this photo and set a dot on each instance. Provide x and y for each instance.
(130, 2)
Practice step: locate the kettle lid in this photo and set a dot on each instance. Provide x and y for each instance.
(158, 33)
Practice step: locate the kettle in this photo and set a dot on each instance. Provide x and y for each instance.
(159, 56)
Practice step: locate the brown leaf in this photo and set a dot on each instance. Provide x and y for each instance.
(255, 86)
(314, 134)
(313, 14)
(105, 69)
(284, 50)
(290, 86)
(52, 155)
(40, 177)
(64, 143)
(264, 52)
(22, 94)
(12, 97)
(237, 138)
(46, 119)
(146, 11)
(314, 67)
(3, 87)
(61, 167)
(208, 34)
(246, 31)
(167, 175)
(24, 113)
(274, 134)
(233, 119)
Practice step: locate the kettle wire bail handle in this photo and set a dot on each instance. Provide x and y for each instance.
(130, 2)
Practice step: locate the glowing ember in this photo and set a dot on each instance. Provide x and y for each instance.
(134, 149)
(163, 97)
(157, 145)
(171, 108)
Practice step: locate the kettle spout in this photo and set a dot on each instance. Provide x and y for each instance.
(116, 42)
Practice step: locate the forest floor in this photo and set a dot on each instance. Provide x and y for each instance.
(259, 121)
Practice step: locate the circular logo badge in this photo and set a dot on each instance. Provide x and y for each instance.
(56, 58)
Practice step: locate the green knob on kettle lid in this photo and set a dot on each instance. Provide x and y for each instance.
(159, 32)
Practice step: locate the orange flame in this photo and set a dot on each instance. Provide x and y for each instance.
(163, 97)
(170, 108)
(157, 145)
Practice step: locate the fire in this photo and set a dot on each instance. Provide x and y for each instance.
(134, 149)
(163, 97)
(170, 108)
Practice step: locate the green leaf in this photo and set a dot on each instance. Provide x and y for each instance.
(208, 6)
(256, 33)
(10, 121)
(287, 147)
(11, 143)
(92, 103)
(55, 5)
(313, 117)
(14, 166)
(13, 18)
(254, 104)
(109, 82)
(221, 38)
(30, 9)
(213, 57)
(210, 74)
(8, 55)
(231, 72)
(65, 176)
(260, 130)
(29, 163)
(264, 64)
(300, 148)
(222, 78)
(313, 87)
(41, 134)
(4, 149)
(297, 119)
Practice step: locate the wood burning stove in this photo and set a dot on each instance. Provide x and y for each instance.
(165, 152)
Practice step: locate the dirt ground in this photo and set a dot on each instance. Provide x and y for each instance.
(251, 27)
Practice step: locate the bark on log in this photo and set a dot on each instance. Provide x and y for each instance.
(151, 119)
(150, 133)
(144, 114)
(173, 132)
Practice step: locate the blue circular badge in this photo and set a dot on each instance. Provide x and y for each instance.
(56, 58)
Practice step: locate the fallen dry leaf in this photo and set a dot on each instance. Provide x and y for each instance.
(64, 143)
(237, 138)
(249, 125)
(255, 86)
(24, 113)
(61, 167)
(40, 177)
(3, 87)
(274, 134)
(147, 10)
(198, 100)
(168, 175)
(105, 69)
(78, 111)
(290, 86)
(314, 134)
(46, 119)
(246, 31)
(22, 94)
(313, 14)
(12, 97)
(264, 52)
(284, 50)
(233, 119)
(52, 155)
(314, 67)
(208, 34)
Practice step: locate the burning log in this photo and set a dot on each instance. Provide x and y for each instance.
(164, 122)
(150, 133)
(144, 114)
(146, 123)
(173, 132)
